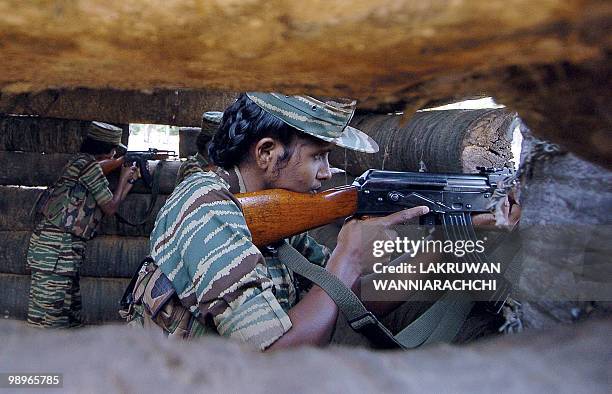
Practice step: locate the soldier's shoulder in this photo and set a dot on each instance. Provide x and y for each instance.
(83, 159)
(80, 163)
(203, 179)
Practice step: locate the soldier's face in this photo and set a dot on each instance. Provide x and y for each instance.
(306, 168)
(110, 155)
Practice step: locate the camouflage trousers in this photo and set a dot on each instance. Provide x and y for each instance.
(55, 298)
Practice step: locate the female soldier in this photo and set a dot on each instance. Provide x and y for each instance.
(219, 281)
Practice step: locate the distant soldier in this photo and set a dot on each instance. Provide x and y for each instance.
(195, 163)
(69, 213)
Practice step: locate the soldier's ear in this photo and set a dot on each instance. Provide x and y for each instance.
(265, 152)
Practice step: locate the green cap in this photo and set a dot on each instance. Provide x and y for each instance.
(105, 132)
(211, 121)
(327, 120)
(213, 117)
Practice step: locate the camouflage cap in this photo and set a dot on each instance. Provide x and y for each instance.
(211, 121)
(105, 132)
(212, 117)
(327, 120)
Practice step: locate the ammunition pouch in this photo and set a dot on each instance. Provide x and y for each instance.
(150, 297)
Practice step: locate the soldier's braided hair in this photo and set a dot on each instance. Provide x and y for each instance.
(243, 124)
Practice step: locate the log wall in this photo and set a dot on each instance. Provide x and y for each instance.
(178, 108)
(444, 141)
(114, 255)
(100, 297)
(33, 151)
(30, 133)
(566, 225)
(105, 256)
(16, 212)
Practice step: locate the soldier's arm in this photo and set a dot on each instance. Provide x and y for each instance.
(123, 188)
(314, 317)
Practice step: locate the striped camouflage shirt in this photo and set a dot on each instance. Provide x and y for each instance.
(73, 202)
(70, 215)
(202, 244)
(193, 164)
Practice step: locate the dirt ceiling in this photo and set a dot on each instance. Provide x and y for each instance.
(549, 60)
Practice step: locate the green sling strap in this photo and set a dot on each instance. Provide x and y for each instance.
(150, 209)
(440, 323)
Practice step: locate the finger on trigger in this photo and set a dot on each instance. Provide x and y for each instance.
(506, 207)
(402, 217)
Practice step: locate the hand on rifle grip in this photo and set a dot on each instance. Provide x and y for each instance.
(129, 174)
(357, 237)
(137, 175)
(506, 219)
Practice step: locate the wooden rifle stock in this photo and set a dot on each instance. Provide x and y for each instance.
(272, 215)
(110, 165)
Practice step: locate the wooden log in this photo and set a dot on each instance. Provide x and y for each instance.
(16, 205)
(565, 232)
(170, 107)
(116, 257)
(100, 297)
(133, 209)
(549, 61)
(34, 169)
(34, 134)
(445, 141)
(31, 169)
(45, 135)
(105, 256)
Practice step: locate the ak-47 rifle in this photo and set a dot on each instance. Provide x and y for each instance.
(272, 215)
(140, 158)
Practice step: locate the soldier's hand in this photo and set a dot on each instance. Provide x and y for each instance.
(128, 174)
(507, 218)
(137, 175)
(357, 238)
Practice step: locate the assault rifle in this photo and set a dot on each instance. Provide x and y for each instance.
(272, 215)
(140, 158)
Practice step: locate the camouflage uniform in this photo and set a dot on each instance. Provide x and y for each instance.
(70, 214)
(193, 164)
(207, 274)
(219, 281)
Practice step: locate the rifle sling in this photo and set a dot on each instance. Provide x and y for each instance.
(440, 323)
(152, 202)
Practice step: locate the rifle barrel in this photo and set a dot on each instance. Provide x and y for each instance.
(289, 213)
